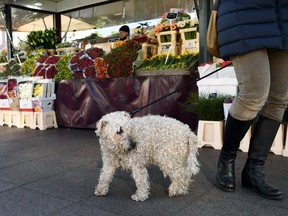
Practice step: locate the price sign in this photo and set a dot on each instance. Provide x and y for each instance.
(172, 16)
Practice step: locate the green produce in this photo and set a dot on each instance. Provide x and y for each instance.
(62, 66)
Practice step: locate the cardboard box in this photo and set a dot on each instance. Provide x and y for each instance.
(45, 86)
(26, 105)
(14, 104)
(4, 104)
(43, 104)
(220, 86)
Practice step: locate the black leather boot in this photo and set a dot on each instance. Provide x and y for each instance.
(261, 141)
(234, 132)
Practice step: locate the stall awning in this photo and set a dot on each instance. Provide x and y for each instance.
(47, 22)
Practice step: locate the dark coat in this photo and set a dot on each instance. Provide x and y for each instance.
(248, 25)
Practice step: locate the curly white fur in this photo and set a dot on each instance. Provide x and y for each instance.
(135, 143)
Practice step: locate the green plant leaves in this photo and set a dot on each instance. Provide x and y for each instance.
(206, 108)
(46, 39)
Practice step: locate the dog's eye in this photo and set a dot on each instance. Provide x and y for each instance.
(120, 131)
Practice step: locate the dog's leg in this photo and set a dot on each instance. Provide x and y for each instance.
(105, 178)
(179, 182)
(141, 178)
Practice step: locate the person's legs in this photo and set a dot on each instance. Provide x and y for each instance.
(278, 94)
(267, 127)
(235, 130)
(253, 75)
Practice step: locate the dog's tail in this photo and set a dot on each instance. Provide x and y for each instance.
(192, 162)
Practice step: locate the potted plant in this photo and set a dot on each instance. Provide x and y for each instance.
(211, 118)
(208, 108)
(46, 39)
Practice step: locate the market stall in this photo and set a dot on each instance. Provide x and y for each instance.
(80, 103)
(91, 81)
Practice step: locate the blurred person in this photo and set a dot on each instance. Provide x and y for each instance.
(124, 32)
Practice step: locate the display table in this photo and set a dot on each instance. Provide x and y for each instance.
(80, 103)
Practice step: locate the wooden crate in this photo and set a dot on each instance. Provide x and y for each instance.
(148, 50)
(168, 42)
(67, 50)
(189, 40)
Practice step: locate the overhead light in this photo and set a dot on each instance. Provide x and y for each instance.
(38, 3)
(117, 14)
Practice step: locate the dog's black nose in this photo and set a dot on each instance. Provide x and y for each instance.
(132, 145)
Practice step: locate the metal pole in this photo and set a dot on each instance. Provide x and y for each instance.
(204, 14)
(57, 25)
(8, 23)
(196, 8)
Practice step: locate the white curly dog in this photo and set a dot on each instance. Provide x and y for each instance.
(135, 143)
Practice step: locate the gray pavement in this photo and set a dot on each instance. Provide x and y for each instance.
(53, 172)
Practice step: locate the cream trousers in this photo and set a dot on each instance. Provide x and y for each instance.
(263, 84)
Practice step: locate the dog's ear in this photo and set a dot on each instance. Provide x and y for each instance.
(99, 126)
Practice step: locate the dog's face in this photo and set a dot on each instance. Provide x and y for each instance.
(113, 130)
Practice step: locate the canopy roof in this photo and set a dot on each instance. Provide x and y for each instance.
(68, 24)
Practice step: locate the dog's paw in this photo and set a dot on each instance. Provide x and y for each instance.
(136, 197)
(174, 192)
(100, 191)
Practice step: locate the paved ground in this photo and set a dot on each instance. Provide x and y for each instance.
(54, 172)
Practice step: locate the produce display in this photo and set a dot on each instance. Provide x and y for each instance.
(25, 90)
(164, 62)
(28, 66)
(46, 66)
(3, 89)
(12, 88)
(38, 90)
(121, 58)
(63, 69)
(101, 68)
(82, 64)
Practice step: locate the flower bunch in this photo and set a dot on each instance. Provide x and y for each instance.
(12, 68)
(117, 44)
(140, 38)
(228, 99)
(38, 90)
(121, 58)
(25, 90)
(28, 66)
(163, 62)
(3, 55)
(187, 23)
(138, 31)
(46, 66)
(101, 68)
(3, 68)
(82, 64)
(12, 88)
(3, 90)
(165, 27)
(182, 15)
(224, 63)
(64, 71)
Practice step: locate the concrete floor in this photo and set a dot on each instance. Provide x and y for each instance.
(53, 172)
